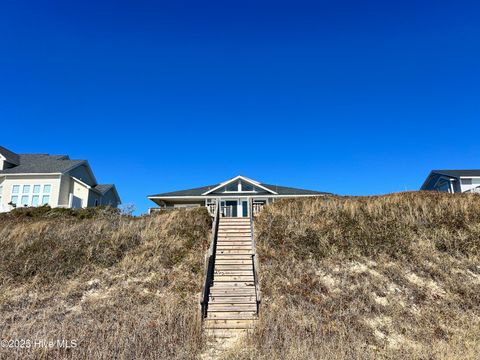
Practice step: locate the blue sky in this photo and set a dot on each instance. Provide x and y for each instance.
(342, 96)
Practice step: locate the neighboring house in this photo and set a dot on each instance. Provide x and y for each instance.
(238, 197)
(55, 180)
(453, 181)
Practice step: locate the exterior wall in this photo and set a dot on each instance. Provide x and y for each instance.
(80, 191)
(10, 180)
(3, 208)
(82, 174)
(64, 193)
(109, 198)
(92, 197)
(468, 184)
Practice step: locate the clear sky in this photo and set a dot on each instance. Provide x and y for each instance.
(350, 97)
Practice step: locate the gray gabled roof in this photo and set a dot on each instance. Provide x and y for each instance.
(10, 156)
(284, 190)
(457, 173)
(42, 163)
(103, 188)
(188, 192)
(280, 190)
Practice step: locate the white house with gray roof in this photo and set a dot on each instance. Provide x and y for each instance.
(55, 180)
(238, 197)
(453, 181)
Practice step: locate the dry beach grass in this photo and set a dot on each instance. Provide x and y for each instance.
(122, 287)
(388, 277)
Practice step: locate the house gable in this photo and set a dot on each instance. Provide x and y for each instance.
(84, 173)
(240, 185)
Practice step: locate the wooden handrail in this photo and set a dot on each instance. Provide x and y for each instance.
(209, 264)
(255, 262)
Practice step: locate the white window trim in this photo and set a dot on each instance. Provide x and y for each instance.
(31, 194)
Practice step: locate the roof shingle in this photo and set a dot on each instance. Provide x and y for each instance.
(42, 163)
(10, 156)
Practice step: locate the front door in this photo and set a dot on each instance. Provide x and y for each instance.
(231, 208)
(244, 208)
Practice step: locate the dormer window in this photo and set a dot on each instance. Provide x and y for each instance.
(246, 187)
(233, 187)
(239, 186)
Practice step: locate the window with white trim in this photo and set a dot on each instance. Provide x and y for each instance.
(240, 186)
(31, 195)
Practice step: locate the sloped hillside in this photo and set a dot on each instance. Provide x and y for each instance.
(393, 277)
(121, 287)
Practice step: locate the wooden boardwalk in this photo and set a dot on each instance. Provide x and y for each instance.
(232, 302)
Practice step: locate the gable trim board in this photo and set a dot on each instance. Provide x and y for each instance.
(239, 177)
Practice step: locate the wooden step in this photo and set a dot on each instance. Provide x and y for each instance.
(235, 242)
(233, 273)
(234, 249)
(234, 223)
(232, 267)
(229, 324)
(219, 307)
(223, 278)
(233, 261)
(246, 255)
(224, 220)
(226, 333)
(246, 291)
(240, 299)
(213, 314)
(234, 284)
(229, 254)
(246, 238)
(233, 252)
(232, 234)
(235, 292)
(234, 230)
(241, 249)
(247, 241)
(228, 246)
(228, 266)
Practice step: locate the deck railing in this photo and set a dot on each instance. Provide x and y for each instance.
(211, 209)
(209, 264)
(227, 211)
(256, 208)
(475, 190)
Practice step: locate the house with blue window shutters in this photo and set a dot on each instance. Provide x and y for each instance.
(237, 197)
(55, 180)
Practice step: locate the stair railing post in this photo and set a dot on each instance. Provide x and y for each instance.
(210, 263)
(255, 265)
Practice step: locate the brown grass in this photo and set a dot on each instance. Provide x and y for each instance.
(121, 287)
(386, 277)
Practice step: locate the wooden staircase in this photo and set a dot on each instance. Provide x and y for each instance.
(233, 295)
